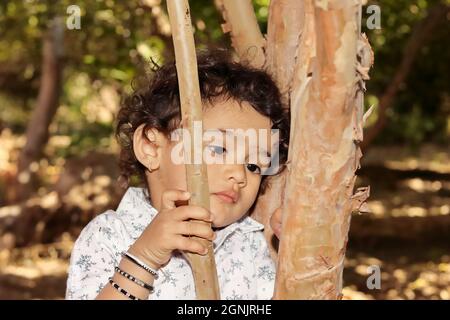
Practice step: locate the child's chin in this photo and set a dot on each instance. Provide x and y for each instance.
(217, 225)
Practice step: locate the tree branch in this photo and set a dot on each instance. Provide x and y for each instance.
(47, 103)
(246, 37)
(284, 30)
(203, 267)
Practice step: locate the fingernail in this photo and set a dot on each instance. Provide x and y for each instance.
(186, 194)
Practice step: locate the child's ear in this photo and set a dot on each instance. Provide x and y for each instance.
(147, 148)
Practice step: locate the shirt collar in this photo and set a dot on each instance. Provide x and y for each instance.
(245, 225)
(135, 208)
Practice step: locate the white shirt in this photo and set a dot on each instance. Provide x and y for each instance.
(244, 266)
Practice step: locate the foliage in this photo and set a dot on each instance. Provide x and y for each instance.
(117, 38)
(421, 109)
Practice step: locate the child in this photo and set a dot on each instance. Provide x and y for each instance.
(135, 251)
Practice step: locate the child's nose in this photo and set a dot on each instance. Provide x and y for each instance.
(237, 173)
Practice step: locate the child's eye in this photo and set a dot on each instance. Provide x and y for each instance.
(217, 149)
(253, 168)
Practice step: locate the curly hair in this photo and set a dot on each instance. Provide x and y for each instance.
(156, 103)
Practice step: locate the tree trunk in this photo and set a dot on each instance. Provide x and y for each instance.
(47, 103)
(316, 55)
(203, 267)
(324, 154)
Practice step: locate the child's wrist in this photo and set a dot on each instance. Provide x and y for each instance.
(137, 253)
(137, 272)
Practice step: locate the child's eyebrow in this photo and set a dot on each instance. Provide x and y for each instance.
(228, 132)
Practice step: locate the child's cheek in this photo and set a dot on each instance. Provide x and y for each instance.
(178, 173)
(174, 174)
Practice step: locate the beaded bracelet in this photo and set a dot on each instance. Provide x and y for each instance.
(139, 263)
(134, 279)
(123, 291)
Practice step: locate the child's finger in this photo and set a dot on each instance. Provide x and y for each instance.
(193, 212)
(192, 228)
(169, 197)
(191, 245)
(275, 222)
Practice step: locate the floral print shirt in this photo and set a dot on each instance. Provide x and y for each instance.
(244, 266)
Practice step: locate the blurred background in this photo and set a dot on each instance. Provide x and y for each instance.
(60, 90)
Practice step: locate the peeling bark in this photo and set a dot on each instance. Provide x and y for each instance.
(284, 30)
(324, 153)
(203, 267)
(246, 37)
(320, 61)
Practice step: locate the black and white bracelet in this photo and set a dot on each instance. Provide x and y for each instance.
(134, 279)
(122, 291)
(139, 263)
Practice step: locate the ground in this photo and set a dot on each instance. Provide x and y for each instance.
(406, 235)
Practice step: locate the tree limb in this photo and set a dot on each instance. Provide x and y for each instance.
(284, 30)
(47, 103)
(285, 27)
(203, 267)
(246, 37)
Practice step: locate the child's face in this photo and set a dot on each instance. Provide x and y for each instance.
(242, 178)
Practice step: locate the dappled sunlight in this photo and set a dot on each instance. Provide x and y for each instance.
(421, 185)
(414, 164)
(37, 271)
(401, 277)
(352, 293)
(48, 201)
(90, 194)
(80, 188)
(71, 174)
(9, 142)
(376, 208)
(428, 156)
(420, 211)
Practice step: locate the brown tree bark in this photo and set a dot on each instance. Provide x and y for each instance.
(324, 154)
(320, 62)
(37, 132)
(203, 267)
(422, 33)
(285, 25)
(276, 54)
(246, 37)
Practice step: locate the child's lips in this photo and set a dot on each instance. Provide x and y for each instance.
(224, 198)
(228, 196)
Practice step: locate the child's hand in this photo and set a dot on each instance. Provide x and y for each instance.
(169, 230)
(275, 222)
